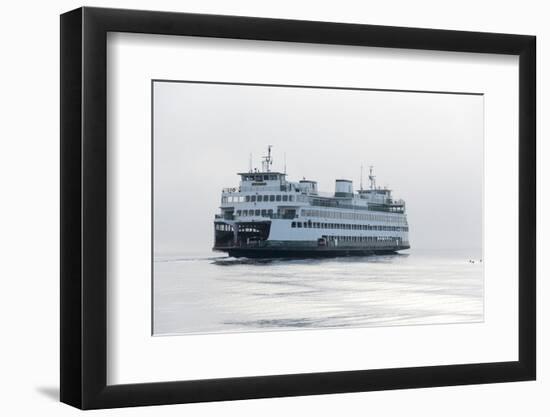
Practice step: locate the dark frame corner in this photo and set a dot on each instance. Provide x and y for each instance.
(83, 207)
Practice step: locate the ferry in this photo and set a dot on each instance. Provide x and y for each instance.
(268, 216)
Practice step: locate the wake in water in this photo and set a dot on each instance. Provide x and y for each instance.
(224, 260)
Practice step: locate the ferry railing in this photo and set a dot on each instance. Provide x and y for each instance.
(224, 216)
(231, 190)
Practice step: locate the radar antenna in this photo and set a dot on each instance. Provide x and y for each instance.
(361, 180)
(267, 160)
(372, 178)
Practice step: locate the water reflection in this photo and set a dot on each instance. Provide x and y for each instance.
(208, 294)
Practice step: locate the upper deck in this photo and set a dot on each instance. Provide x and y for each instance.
(265, 193)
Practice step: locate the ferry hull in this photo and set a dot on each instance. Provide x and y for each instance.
(321, 252)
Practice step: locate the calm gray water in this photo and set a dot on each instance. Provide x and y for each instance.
(210, 292)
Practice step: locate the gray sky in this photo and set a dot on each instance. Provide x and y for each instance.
(427, 147)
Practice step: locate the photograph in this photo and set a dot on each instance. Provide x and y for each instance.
(308, 208)
(288, 207)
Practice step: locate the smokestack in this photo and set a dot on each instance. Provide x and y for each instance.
(343, 188)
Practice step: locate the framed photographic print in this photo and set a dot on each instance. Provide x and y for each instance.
(256, 207)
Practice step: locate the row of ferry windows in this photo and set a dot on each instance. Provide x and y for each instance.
(223, 227)
(362, 238)
(343, 226)
(256, 212)
(257, 198)
(270, 177)
(266, 198)
(327, 214)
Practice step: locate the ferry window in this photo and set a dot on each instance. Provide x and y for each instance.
(293, 224)
(278, 198)
(271, 198)
(253, 198)
(257, 212)
(247, 198)
(309, 223)
(264, 212)
(305, 224)
(290, 198)
(285, 197)
(266, 198)
(238, 212)
(258, 178)
(299, 224)
(266, 177)
(270, 212)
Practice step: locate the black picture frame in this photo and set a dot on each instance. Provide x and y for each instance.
(84, 207)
